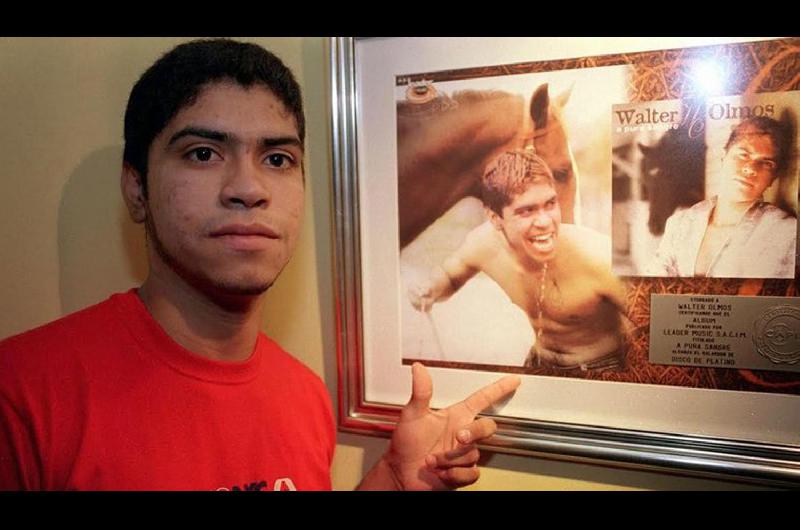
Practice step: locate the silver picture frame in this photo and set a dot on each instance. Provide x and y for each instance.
(711, 456)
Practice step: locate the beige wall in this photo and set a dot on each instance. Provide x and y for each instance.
(66, 241)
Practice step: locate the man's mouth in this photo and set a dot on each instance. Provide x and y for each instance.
(254, 229)
(543, 242)
(246, 237)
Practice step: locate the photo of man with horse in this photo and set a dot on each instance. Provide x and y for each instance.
(557, 273)
(449, 132)
(711, 195)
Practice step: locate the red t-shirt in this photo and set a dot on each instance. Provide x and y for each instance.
(104, 399)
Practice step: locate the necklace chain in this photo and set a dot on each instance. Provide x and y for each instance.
(540, 318)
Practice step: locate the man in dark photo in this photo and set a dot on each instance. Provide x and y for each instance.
(736, 233)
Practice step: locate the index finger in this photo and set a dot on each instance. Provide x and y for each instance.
(491, 394)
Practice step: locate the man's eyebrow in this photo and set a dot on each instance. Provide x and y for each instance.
(282, 141)
(220, 136)
(751, 150)
(210, 134)
(553, 197)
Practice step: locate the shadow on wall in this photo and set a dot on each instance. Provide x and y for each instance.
(319, 170)
(101, 251)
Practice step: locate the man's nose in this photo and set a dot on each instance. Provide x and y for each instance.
(245, 186)
(541, 219)
(748, 168)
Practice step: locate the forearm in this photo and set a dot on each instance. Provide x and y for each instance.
(442, 285)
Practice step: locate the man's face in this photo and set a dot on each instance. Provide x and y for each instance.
(531, 223)
(226, 190)
(748, 168)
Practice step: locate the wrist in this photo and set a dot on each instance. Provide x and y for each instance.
(443, 285)
(381, 477)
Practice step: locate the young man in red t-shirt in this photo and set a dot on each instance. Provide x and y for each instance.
(173, 385)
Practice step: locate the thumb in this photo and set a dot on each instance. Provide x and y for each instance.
(421, 390)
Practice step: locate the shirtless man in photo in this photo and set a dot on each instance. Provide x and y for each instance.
(559, 274)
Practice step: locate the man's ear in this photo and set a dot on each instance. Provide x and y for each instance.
(496, 220)
(722, 154)
(133, 193)
(775, 178)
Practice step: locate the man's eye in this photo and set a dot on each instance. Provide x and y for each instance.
(279, 160)
(201, 154)
(561, 175)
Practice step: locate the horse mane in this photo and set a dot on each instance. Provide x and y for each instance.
(680, 140)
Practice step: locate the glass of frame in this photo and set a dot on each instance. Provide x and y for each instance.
(639, 363)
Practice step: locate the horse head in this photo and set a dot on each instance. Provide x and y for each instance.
(673, 173)
(551, 144)
(445, 142)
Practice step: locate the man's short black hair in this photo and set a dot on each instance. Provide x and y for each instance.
(510, 174)
(763, 125)
(175, 80)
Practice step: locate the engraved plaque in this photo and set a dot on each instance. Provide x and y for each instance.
(750, 332)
